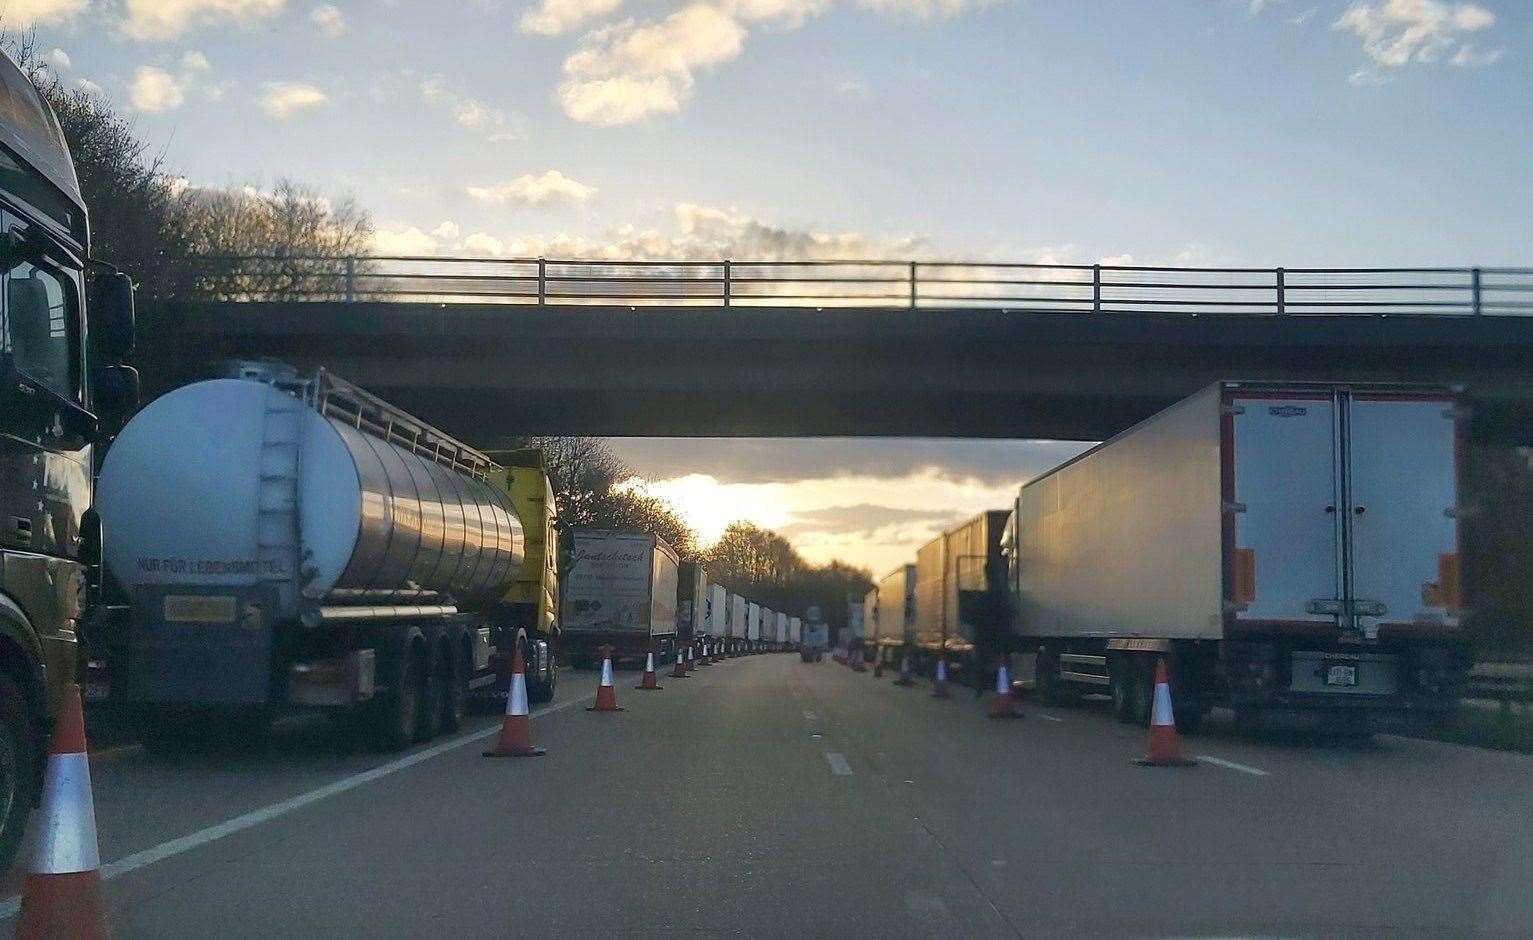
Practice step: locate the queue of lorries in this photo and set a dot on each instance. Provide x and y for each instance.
(1291, 550)
(267, 539)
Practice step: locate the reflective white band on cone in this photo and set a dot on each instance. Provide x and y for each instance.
(516, 702)
(66, 826)
(649, 662)
(1162, 713)
(606, 672)
(1002, 681)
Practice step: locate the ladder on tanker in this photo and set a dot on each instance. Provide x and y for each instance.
(277, 544)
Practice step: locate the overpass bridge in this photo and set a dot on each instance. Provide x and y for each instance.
(492, 348)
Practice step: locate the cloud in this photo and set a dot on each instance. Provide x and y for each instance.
(627, 71)
(328, 19)
(480, 243)
(865, 518)
(402, 240)
(924, 9)
(154, 90)
(282, 99)
(528, 190)
(447, 230)
(24, 14)
(160, 20)
(470, 112)
(91, 88)
(58, 60)
(1396, 33)
(553, 17)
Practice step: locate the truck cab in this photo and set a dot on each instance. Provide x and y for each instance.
(62, 389)
(531, 606)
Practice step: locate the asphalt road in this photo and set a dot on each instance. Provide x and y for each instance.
(765, 797)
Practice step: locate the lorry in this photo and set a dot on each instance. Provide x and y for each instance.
(815, 638)
(961, 592)
(531, 606)
(768, 629)
(66, 333)
(753, 627)
(620, 592)
(795, 631)
(780, 634)
(894, 614)
(691, 601)
(1290, 549)
(718, 615)
(739, 630)
(286, 540)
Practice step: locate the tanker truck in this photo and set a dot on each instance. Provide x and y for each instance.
(287, 542)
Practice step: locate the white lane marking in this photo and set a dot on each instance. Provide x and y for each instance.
(1049, 717)
(229, 827)
(838, 764)
(1232, 765)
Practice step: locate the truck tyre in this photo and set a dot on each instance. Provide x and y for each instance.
(394, 717)
(454, 684)
(435, 691)
(539, 691)
(18, 769)
(1046, 681)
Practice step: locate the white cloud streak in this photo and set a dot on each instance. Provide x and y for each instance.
(25, 14)
(549, 188)
(1398, 33)
(163, 20)
(553, 17)
(328, 19)
(282, 100)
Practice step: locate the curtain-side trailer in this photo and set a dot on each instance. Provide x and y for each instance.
(718, 613)
(895, 613)
(738, 628)
(753, 626)
(691, 601)
(768, 628)
(1290, 548)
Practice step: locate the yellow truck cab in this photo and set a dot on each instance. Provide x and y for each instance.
(532, 604)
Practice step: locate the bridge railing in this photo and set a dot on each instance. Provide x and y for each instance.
(1065, 288)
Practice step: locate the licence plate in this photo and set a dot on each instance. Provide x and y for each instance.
(1341, 675)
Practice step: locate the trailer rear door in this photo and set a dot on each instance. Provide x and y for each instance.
(1403, 493)
(1281, 449)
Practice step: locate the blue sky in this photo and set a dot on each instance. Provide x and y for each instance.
(1220, 132)
(1283, 131)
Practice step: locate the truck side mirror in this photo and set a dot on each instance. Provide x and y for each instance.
(111, 313)
(114, 395)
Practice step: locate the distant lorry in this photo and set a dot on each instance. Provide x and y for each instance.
(780, 634)
(739, 630)
(815, 639)
(287, 541)
(894, 614)
(620, 591)
(768, 629)
(961, 592)
(718, 615)
(1292, 550)
(691, 601)
(60, 396)
(795, 631)
(753, 627)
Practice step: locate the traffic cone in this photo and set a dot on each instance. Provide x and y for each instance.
(648, 683)
(61, 896)
(679, 668)
(516, 728)
(905, 679)
(1005, 703)
(939, 683)
(606, 695)
(859, 660)
(702, 655)
(1164, 748)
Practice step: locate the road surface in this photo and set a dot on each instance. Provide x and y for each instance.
(765, 797)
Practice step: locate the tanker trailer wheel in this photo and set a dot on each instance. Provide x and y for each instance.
(454, 685)
(394, 717)
(18, 769)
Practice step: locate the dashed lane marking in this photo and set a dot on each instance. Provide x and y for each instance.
(1049, 717)
(838, 764)
(1232, 765)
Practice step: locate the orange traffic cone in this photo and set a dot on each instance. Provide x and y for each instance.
(679, 668)
(701, 659)
(905, 678)
(1164, 748)
(939, 683)
(61, 896)
(516, 728)
(606, 695)
(648, 683)
(1005, 703)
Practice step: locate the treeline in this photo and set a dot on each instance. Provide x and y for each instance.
(592, 490)
(177, 239)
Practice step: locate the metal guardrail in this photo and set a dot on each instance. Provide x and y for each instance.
(1063, 288)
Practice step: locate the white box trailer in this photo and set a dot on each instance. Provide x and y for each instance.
(738, 622)
(1288, 547)
(718, 612)
(795, 630)
(768, 626)
(691, 601)
(894, 614)
(620, 591)
(753, 622)
(781, 633)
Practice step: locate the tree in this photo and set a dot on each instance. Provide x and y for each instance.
(765, 567)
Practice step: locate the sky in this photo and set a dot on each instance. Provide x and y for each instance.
(1200, 132)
